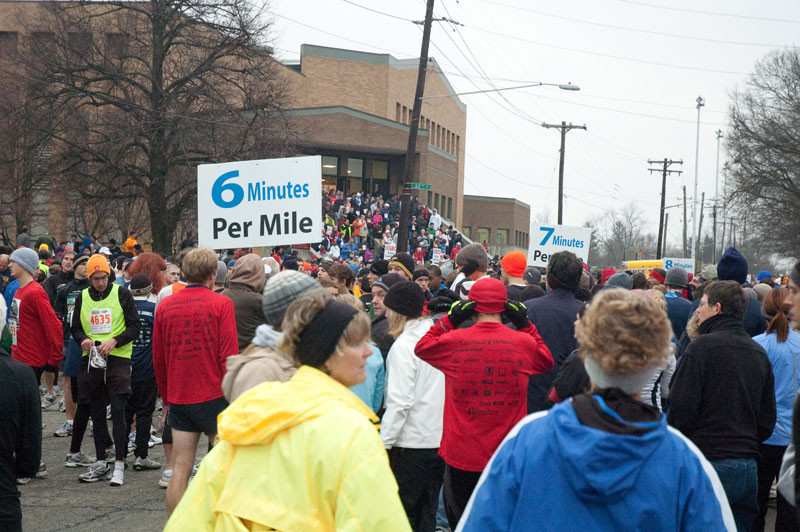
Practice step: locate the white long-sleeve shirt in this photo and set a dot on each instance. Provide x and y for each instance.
(414, 394)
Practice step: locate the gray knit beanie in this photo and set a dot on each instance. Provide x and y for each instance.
(281, 289)
(677, 276)
(27, 258)
(475, 252)
(222, 273)
(620, 280)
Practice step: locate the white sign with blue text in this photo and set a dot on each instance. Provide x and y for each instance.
(272, 202)
(686, 264)
(548, 239)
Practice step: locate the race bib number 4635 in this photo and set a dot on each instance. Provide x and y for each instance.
(100, 321)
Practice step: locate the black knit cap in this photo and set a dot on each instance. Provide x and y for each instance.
(141, 285)
(404, 261)
(405, 298)
(421, 273)
(379, 267)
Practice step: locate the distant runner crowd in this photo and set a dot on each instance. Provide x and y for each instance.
(344, 391)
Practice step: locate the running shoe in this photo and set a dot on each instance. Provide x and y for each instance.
(79, 460)
(159, 404)
(117, 478)
(64, 430)
(132, 442)
(42, 473)
(57, 390)
(108, 412)
(42, 390)
(23, 481)
(61, 406)
(154, 440)
(165, 478)
(48, 401)
(111, 454)
(144, 464)
(96, 472)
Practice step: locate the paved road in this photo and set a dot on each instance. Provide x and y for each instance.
(59, 502)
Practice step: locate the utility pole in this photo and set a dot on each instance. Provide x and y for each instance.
(685, 249)
(564, 127)
(411, 150)
(700, 103)
(716, 195)
(666, 223)
(664, 172)
(699, 230)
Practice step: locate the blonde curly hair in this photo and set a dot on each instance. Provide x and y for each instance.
(625, 332)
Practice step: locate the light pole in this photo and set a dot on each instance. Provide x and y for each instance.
(716, 195)
(695, 237)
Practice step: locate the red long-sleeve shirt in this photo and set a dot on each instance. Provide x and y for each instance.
(486, 368)
(34, 325)
(194, 332)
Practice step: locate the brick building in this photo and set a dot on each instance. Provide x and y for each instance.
(504, 223)
(353, 108)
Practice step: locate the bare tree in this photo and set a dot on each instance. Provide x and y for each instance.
(620, 235)
(764, 147)
(145, 91)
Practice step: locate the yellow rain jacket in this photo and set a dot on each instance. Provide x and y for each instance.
(299, 456)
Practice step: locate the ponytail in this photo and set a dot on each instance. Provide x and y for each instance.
(776, 306)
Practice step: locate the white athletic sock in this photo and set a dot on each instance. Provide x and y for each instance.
(117, 477)
(102, 463)
(69, 421)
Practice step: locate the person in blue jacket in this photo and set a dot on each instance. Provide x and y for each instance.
(603, 460)
(782, 345)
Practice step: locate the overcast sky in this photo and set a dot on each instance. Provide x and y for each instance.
(637, 105)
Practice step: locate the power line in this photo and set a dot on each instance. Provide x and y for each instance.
(624, 28)
(714, 13)
(576, 50)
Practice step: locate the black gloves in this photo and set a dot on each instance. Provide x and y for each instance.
(460, 312)
(517, 314)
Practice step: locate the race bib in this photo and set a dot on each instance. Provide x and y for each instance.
(100, 321)
(13, 327)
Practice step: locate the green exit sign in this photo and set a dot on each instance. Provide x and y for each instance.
(420, 186)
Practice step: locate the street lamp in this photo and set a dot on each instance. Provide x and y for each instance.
(562, 86)
(696, 238)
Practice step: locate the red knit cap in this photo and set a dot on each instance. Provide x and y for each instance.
(607, 273)
(514, 263)
(489, 294)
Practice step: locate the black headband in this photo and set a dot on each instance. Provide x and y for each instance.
(318, 340)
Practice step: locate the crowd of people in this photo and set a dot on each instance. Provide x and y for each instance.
(347, 391)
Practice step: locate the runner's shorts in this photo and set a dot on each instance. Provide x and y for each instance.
(197, 417)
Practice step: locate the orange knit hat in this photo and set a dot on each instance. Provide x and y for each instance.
(97, 263)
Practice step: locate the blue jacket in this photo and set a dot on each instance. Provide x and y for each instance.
(679, 311)
(553, 473)
(371, 390)
(553, 315)
(785, 360)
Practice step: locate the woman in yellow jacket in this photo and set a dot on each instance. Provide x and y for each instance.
(304, 455)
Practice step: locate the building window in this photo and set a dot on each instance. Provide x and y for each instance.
(502, 237)
(428, 127)
(355, 167)
(458, 145)
(483, 235)
(450, 208)
(438, 136)
(430, 197)
(405, 114)
(397, 110)
(447, 138)
(436, 202)
(380, 169)
(8, 44)
(466, 231)
(116, 45)
(330, 165)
